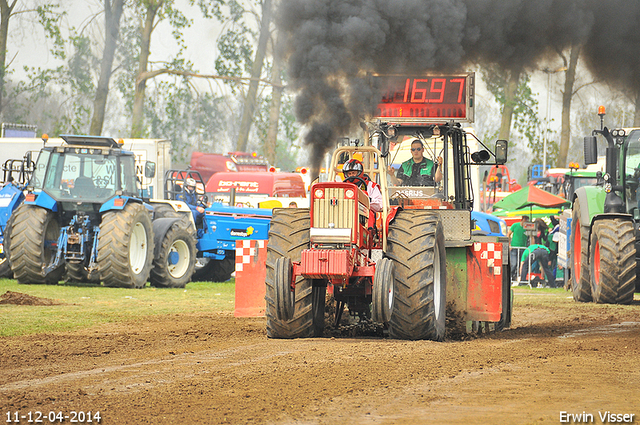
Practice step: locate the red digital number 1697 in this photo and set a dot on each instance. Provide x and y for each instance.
(421, 92)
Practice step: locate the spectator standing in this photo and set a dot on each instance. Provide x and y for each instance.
(519, 239)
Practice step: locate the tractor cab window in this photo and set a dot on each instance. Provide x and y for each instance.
(632, 171)
(39, 174)
(78, 176)
(128, 176)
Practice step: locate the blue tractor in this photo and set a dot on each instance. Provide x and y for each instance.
(218, 229)
(83, 218)
(16, 172)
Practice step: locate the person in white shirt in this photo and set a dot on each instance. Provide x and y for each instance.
(353, 171)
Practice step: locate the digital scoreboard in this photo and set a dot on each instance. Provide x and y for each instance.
(430, 98)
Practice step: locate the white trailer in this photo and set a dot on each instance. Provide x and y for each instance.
(155, 150)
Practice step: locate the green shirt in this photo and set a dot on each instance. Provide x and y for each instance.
(553, 246)
(530, 249)
(518, 237)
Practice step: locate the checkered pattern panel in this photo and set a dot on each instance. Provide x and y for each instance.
(491, 253)
(245, 250)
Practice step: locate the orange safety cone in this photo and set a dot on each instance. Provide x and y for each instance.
(251, 271)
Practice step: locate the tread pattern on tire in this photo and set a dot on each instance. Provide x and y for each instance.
(216, 270)
(580, 279)
(28, 250)
(113, 246)
(5, 263)
(288, 237)
(617, 278)
(159, 275)
(414, 236)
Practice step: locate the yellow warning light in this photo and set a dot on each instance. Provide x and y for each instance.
(120, 142)
(601, 110)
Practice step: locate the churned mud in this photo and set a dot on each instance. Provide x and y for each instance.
(559, 358)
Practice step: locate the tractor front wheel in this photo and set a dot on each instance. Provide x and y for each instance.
(382, 291)
(125, 247)
(175, 253)
(580, 285)
(613, 261)
(288, 237)
(416, 246)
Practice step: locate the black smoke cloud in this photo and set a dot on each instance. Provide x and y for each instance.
(330, 45)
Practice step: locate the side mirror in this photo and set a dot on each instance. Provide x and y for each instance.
(590, 150)
(149, 169)
(501, 152)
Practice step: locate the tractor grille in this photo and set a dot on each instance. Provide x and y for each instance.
(333, 210)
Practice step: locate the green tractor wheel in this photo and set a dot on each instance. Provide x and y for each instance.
(580, 279)
(613, 261)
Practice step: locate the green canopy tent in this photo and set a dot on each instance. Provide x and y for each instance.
(530, 196)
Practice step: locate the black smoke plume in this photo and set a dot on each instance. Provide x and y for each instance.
(332, 44)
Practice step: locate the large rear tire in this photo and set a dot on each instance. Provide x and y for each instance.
(288, 237)
(580, 274)
(33, 238)
(416, 246)
(125, 247)
(174, 255)
(613, 261)
(210, 270)
(5, 264)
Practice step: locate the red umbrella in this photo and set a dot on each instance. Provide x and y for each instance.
(530, 196)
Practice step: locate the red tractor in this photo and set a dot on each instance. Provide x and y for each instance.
(404, 268)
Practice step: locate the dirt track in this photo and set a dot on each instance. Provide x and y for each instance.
(559, 356)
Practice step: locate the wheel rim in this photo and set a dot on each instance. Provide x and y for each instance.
(596, 263)
(178, 267)
(437, 299)
(577, 252)
(138, 248)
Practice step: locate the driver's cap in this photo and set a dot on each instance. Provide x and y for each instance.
(190, 182)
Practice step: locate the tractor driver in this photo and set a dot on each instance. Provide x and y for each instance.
(354, 172)
(418, 171)
(190, 197)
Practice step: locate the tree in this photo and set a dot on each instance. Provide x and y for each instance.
(151, 8)
(567, 95)
(256, 71)
(274, 110)
(112, 14)
(511, 89)
(49, 19)
(510, 103)
(6, 10)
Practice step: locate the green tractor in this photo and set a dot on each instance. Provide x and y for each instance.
(605, 220)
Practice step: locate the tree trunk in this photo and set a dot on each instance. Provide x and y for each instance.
(256, 70)
(509, 103)
(636, 117)
(274, 110)
(565, 132)
(137, 116)
(112, 14)
(5, 15)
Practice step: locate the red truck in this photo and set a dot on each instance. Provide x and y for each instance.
(209, 163)
(253, 188)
